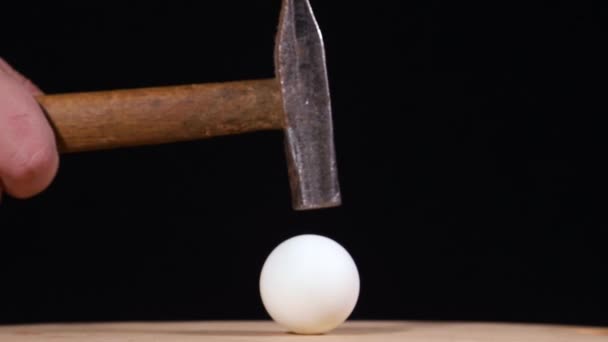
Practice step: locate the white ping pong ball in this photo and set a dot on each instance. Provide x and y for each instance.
(309, 284)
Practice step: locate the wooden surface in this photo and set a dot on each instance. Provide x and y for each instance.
(145, 116)
(389, 331)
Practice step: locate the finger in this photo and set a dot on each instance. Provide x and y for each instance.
(24, 81)
(28, 154)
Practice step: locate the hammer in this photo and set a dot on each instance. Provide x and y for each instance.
(297, 101)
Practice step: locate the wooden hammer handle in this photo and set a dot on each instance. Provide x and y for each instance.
(146, 116)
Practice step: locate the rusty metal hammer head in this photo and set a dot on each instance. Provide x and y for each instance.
(309, 142)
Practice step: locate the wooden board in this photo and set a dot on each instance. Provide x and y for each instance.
(389, 331)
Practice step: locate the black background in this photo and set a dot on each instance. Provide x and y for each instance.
(469, 145)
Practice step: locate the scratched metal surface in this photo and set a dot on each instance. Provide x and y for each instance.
(301, 69)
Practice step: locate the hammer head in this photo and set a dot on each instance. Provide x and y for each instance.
(309, 143)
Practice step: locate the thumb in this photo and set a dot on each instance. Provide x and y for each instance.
(28, 154)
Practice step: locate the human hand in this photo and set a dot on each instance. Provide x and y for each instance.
(28, 153)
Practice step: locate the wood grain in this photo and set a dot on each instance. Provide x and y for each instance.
(363, 331)
(146, 116)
